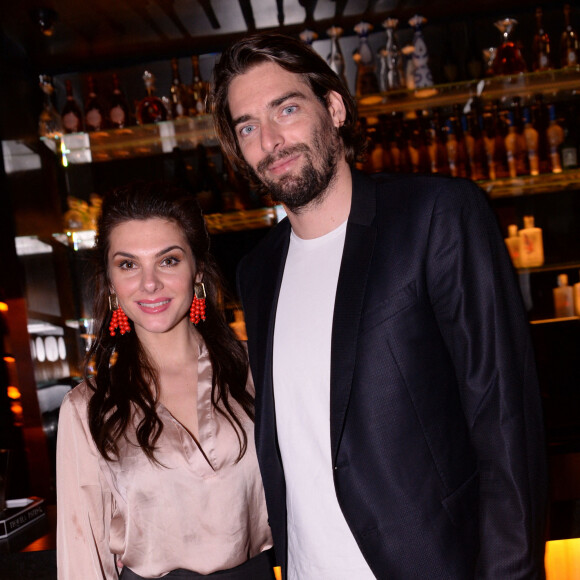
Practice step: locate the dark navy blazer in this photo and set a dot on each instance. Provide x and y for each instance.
(436, 425)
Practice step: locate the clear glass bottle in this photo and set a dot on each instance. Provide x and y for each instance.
(71, 114)
(532, 143)
(335, 59)
(150, 109)
(422, 73)
(391, 60)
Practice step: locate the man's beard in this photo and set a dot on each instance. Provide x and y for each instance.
(296, 191)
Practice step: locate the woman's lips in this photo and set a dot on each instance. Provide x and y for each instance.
(153, 306)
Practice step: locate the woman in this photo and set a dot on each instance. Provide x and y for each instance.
(156, 464)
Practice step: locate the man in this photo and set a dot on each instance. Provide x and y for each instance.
(398, 421)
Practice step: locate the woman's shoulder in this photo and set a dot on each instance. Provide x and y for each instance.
(79, 396)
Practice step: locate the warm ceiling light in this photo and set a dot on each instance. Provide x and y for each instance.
(13, 393)
(9, 359)
(3, 307)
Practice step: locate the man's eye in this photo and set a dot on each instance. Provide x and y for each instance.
(245, 131)
(289, 109)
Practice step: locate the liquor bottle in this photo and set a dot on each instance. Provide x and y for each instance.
(475, 146)
(391, 73)
(532, 249)
(178, 92)
(94, 110)
(458, 122)
(532, 143)
(540, 122)
(366, 77)
(555, 139)
(417, 146)
(563, 298)
(571, 143)
(541, 46)
(49, 121)
(522, 167)
(576, 291)
(569, 45)
(452, 150)
(71, 114)
(511, 146)
(500, 132)
(508, 59)
(197, 90)
(119, 115)
(439, 135)
(150, 109)
(423, 79)
(335, 59)
(489, 143)
(514, 245)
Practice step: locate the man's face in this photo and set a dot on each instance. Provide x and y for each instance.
(288, 138)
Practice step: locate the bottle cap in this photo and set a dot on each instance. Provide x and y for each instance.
(562, 279)
(512, 230)
(528, 221)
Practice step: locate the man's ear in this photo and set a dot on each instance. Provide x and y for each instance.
(336, 108)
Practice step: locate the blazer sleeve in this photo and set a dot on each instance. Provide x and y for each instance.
(83, 499)
(477, 302)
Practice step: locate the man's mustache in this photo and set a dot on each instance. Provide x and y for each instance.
(273, 158)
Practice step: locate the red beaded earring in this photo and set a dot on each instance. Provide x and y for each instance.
(197, 310)
(119, 320)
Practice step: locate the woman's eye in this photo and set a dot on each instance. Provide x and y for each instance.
(126, 265)
(171, 261)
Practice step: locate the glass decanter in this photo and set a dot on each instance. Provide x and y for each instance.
(508, 59)
(49, 121)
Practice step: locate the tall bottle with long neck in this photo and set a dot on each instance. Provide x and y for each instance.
(94, 110)
(119, 115)
(569, 44)
(177, 90)
(197, 90)
(541, 46)
(72, 117)
(335, 59)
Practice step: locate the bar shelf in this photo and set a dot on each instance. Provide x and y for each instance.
(553, 84)
(135, 141)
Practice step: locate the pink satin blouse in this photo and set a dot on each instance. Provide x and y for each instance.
(202, 511)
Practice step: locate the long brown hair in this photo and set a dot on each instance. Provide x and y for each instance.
(294, 56)
(132, 381)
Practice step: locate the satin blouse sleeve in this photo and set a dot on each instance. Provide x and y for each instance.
(83, 498)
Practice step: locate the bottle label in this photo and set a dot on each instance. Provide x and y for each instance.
(94, 119)
(569, 157)
(117, 115)
(71, 122)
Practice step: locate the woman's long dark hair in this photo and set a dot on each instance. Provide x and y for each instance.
(132, 381)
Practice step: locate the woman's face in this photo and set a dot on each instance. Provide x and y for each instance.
(152, 271)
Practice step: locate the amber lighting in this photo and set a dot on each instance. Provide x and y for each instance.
(9, 359)
(3, 307)
(563, 559)
(13, 393)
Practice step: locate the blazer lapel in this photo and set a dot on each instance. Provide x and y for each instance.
(354, 270)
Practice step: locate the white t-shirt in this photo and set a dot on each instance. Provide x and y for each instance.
(320, 543)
